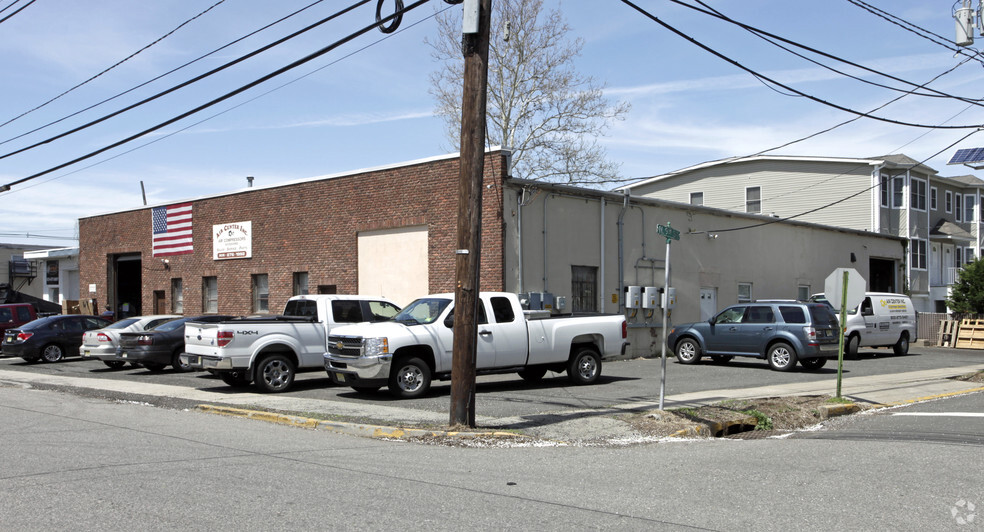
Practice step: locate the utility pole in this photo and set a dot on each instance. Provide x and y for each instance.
(475, 48)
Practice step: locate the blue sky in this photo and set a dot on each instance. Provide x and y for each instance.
(373, 108)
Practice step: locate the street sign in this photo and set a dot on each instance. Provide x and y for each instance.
(834, 288)
(668, 232)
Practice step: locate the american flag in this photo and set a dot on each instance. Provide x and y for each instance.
(172, 230)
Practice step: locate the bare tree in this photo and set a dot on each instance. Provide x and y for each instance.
(538, 105)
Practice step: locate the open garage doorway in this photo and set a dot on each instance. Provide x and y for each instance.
(125, 281)
(882, 278)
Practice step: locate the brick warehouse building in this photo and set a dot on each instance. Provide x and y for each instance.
(387, 231)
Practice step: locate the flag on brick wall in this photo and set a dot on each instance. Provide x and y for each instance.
(172, 230)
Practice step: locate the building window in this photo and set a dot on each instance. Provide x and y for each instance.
(744, 292)
(970, 206)
(948, 201)
(957, 209)
(898, 192)
(918, 196)
(884, 190)
(301, 283)
(970, 255)
(696, 198)
(261, 293)
(327, 289)
(958, 257)
(210, 294)
(803, 292)
(177, 296)
(584, 289)
(932, 198)
(753, 199)
(918, 254)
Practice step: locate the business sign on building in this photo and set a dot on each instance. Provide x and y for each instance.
(51, 272)
(232, 241)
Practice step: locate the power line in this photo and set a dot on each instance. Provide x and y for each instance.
(118, 63)
(169, 72)
(784, 86)
(4, 19)
(190, 81)
(380, 22)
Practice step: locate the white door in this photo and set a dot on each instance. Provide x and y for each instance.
(708, 303)
(936, 261)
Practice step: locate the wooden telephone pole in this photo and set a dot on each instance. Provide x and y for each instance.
(475, 47)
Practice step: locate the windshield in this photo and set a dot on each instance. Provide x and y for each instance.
(122, 324)
(422, 311)
(171, 325)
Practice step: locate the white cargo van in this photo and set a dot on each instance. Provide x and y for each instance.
(881, 320)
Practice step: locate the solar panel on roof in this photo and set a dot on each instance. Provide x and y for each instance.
(967, 156)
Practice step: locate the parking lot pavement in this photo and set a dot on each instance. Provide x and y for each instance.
(552, 409)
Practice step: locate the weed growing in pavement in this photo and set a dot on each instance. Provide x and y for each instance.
(764, 422)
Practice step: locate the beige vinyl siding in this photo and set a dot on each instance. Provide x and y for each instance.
(788, 188)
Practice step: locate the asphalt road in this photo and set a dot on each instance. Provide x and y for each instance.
(71, 463)
(501, 396)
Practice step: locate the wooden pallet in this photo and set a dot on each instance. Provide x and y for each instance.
(948, 333)
(970, 335)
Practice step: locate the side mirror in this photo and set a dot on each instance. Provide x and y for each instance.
(449, 321)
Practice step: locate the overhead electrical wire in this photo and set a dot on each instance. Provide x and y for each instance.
(4, 19)
(380, 22)
(165, 74)
(234, 107)
(191, 81)
(763, 34)
(784, 86)
(910, 27)
(118, 63)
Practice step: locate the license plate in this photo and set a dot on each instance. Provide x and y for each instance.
(85, 352)
(122, 354)
(340, 377)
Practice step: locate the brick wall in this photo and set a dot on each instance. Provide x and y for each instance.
(305, 227)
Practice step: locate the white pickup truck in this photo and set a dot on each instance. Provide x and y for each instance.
(415, 347)
(270, 350)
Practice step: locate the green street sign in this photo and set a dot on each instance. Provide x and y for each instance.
(668, 232)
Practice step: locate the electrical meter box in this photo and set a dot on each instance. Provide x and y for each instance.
(560, 303)
(669, 298)
(633, 296)
(650, 297)
(541, 301)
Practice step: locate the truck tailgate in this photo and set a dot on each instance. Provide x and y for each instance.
(201, 338)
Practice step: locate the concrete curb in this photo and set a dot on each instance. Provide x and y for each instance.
(715, 429)
(839, 409)
(928, 398)
(354, 429)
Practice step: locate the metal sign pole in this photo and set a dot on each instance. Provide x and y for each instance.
(666, 312)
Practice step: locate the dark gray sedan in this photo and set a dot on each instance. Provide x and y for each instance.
(50, 339)
(161, 346)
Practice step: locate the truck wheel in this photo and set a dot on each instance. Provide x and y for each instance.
(585, 366)
(52, 353)
(236, 379)
(532, 374)
(781, 357)
(411, 378)
(688, 351)
(275, 374)
(813, 364)
(851, 347)
(902, 346)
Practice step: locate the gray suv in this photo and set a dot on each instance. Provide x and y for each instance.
(782, 332)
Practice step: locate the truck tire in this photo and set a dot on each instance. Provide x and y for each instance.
(688, 351)
(851, 346)
(902, 346)
(275, 374)
(781, 357)
(584, 366)
(532, 374)
(236, 379)
(411, 378)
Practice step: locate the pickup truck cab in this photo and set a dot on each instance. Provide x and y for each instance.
(269, 350)
(415, 347)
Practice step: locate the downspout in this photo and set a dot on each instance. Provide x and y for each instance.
(621, 257)
(520, 198)
(601, 258)
(545, 242)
